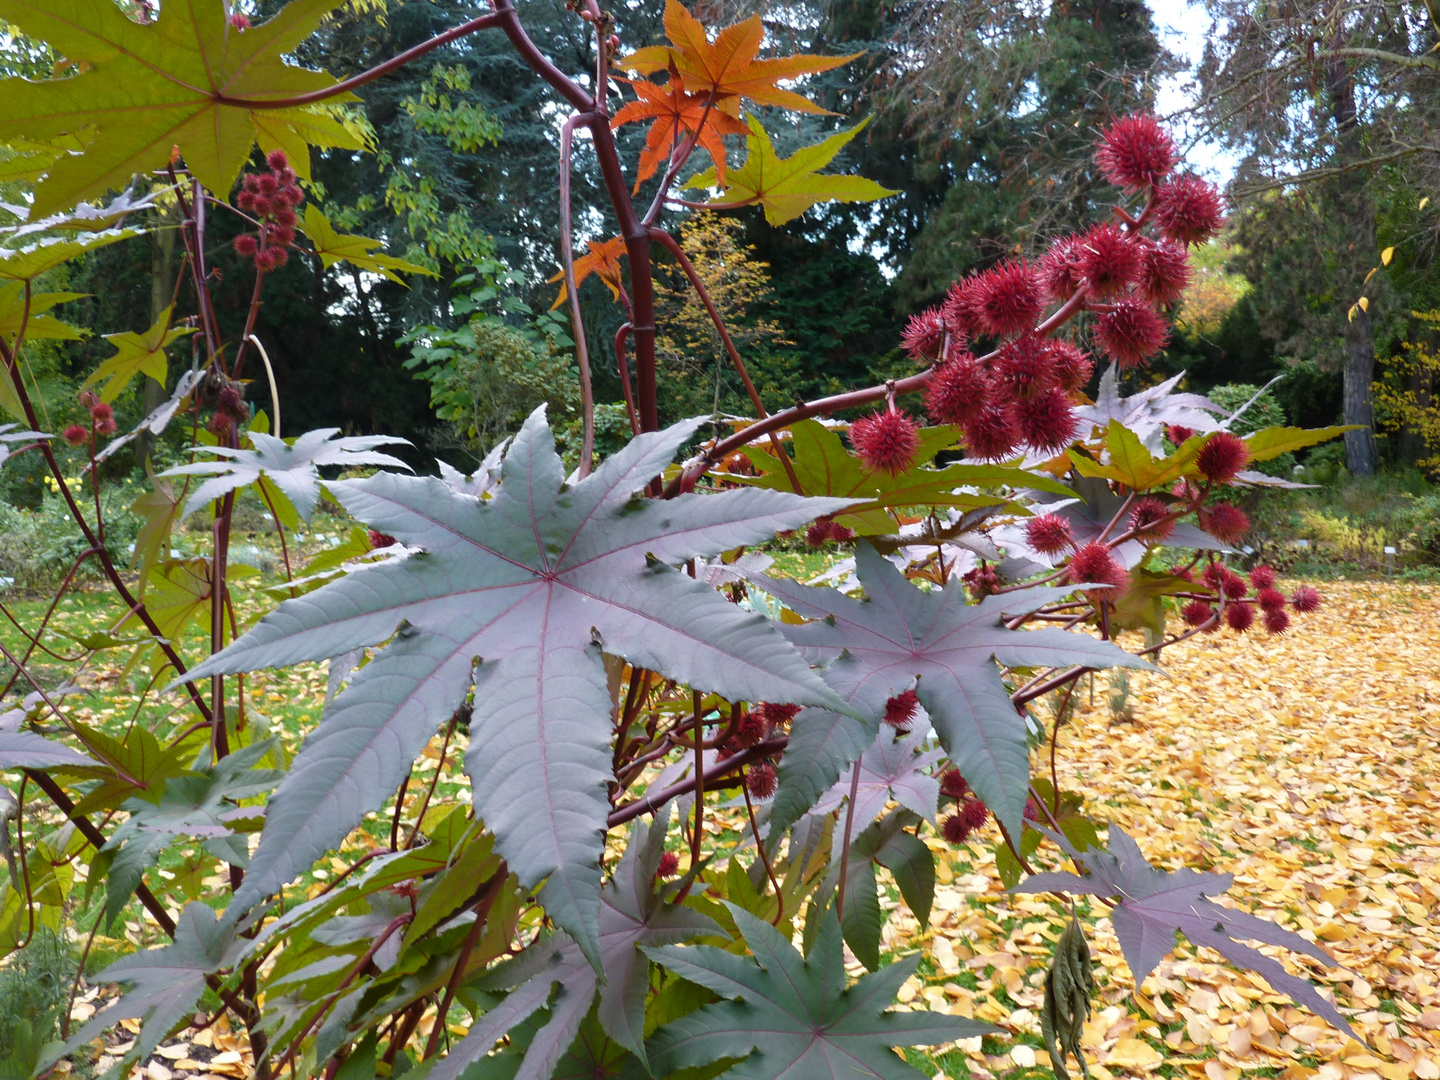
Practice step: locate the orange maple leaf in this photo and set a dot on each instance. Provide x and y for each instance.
(727, 66)
(674, 110)
(603, 261)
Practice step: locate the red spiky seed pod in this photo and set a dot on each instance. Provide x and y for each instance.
(958, 391)
(1073, 366)
(246, 245)
(278, 160)
(1047, 423)
(1196, 612)
(777, 714)
(1277, 621)
(954, 829)
(239, 20)
(953, 785)
(1226, 522)
(272, 258)
(924, 335)
(749, 730)
(230, 400)
(101, 411)
(290, 195)
(250, 182)
(900, 710)
(267, 185)
(245, 200)
(818, 534)
(1188, 210)
(975, 812)
(1240, 617)
(1007, 299)
(218, 425)
(1263, 577)
(261, 205)
(105, 427)
(1130, 333)
(1214, 576)
(381, 540)
(76, 435)
(1093, 564)
(1178, 433)
(1232, 584)
(283, 235)
(1270, 598)
(1164, 272)
(669, 864)
(1109, 259)
(1135, 153)
(284, 216)
(1025, 366)
(959, 308)
(1222, 457)
(1149, 520)
(1305, 599)
(1058, 270)
(760, 780)
(991, 434)
(1049, 534)
(886, 441)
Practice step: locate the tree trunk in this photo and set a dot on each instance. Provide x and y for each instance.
(163, 267)
(1359, 373)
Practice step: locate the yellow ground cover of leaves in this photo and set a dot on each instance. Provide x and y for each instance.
(1306, 765)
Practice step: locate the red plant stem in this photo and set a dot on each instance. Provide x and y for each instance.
(699, 784)
(370, 75)
(648, 804)
(625, 387)
(219, 738)
(280, 529)
(845, 846)
(764, 856)
(671, 245)
(482, 913)
(577, 321)
(434, 780)
(334, 995)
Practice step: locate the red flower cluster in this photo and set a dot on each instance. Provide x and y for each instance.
(272, 197)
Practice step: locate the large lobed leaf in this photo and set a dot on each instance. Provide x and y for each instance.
(518, 596)
(143, 89)
(793, 1016)
(943, 647)
(1152, 904)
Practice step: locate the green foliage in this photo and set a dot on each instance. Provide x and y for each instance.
(34, 989)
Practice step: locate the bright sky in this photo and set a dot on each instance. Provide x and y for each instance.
(1183, 27)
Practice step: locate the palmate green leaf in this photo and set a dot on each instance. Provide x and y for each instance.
(1270, 443)
(1131, 462)
(165, 983)
(787, 187)
(518, 596)
(136, 354)
(790, 1016)
(359, 251)
(824, 467)
(39, 325)
(145, 89)
(943, 647)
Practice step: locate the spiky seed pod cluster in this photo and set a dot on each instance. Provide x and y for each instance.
(1223, 457)
(970, 814)
(1305, 599)
(983, 580)
(1135, 153)
(272, 197)
(924, 336)
(1226, 522)
(102, 419)
(953, 785)
(380, 540)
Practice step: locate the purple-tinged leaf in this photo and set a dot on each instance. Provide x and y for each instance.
(944, 648)
(292, 467)
(166, 983)
(632, 914)
(518, 596)
(1153, 904)
(24, 750)
(910, 862)
(892, 767)
(1148, 412)
(794, 1016)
